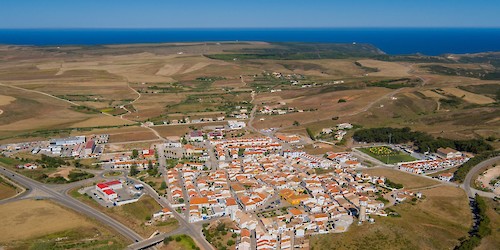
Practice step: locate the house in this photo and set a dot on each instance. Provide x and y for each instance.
(173, 145)
(234, 124)
(107, 189)
(289, 138)
(148, 154)
(216, 135)
(199, 201)
(162, 214)
(27, 166)
(448, 153)
(292, 197)
(89, 148)
(344, 126)
(326, 131)
(196, 136)
(446, 176)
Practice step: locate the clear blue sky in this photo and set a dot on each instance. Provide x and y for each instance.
(247, 13)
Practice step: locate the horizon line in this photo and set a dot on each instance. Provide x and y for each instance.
(277, 27)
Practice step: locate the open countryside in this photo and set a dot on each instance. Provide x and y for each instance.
(176, 126)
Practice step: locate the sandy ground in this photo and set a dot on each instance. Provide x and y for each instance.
(101, 121)
(63, 172)
(487, 176)
(5, 100)
(29, 218)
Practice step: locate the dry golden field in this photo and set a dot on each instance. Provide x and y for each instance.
(28, 219)
(430, 223)
(409, 181)
(390, 69)
(39, 86)
(468, 96)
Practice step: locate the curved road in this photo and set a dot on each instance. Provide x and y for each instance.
(68, 201)
(468, 179)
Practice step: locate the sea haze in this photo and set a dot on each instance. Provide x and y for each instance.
(429, 41)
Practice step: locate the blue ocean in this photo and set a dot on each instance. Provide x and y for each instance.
(428, 41)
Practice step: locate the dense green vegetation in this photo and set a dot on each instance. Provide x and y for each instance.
(413, 58)
(217, 236)
(475, 73)
(491, 90)
(51, 162)
(482, 228)
(395, 83)
(302, 51)
(184, 240)
(366, 69)
(466, 167)
(391, 158)
(423, 141)
(85, 109)
(451, 102)
(391, 184)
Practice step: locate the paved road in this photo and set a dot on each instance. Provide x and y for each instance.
(476, 169)
(366, 157)
(190, 229)
(64, 199)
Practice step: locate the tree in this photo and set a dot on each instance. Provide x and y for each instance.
(167, 240)
(230, 242)
(135, 153)
(163, 185)
(150, 165)
(296, 123)
(133, 170)
(78, 164)
(241, 152)
(310, 133)
(342, 100)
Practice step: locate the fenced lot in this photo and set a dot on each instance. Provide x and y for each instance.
(387, 155)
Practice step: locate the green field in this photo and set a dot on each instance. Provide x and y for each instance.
(180, 242)
(393, 157)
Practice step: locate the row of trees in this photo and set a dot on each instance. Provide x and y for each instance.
(481, 229)
(423, 141)
(462, 171)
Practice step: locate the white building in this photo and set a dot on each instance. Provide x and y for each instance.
(233, 124)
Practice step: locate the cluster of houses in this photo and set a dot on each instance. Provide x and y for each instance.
(338, 132)
(244, 147)
(145, 158)
(292, 139)
(255, 176)
(422, 167)
(269, 110)
(188, 120)
(291, 77)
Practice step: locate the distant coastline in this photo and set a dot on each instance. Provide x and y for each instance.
(428, 41)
